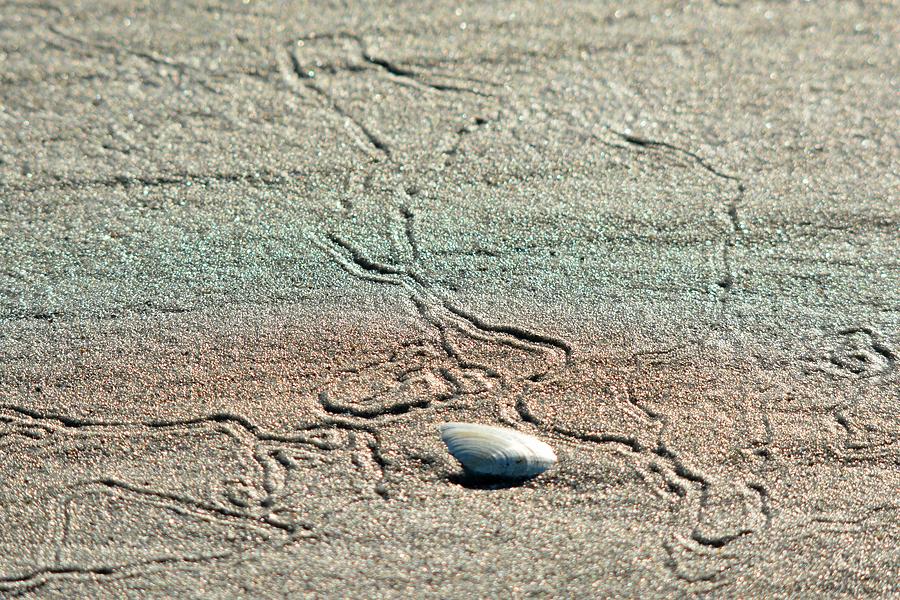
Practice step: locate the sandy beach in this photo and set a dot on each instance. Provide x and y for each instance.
(253, 254)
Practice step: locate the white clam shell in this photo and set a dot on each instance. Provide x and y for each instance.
(495, 451)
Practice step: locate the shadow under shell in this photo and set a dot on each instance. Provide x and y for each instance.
(475, 481)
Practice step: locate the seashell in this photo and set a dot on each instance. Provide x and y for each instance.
(495, 451)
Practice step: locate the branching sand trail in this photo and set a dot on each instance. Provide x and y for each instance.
(254, 254)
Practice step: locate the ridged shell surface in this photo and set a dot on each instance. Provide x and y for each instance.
(495, 451)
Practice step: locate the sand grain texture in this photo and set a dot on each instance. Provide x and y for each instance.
(254, 253)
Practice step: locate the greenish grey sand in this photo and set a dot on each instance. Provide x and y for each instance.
(254, 253)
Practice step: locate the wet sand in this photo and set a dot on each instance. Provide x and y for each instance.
(252, 257)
